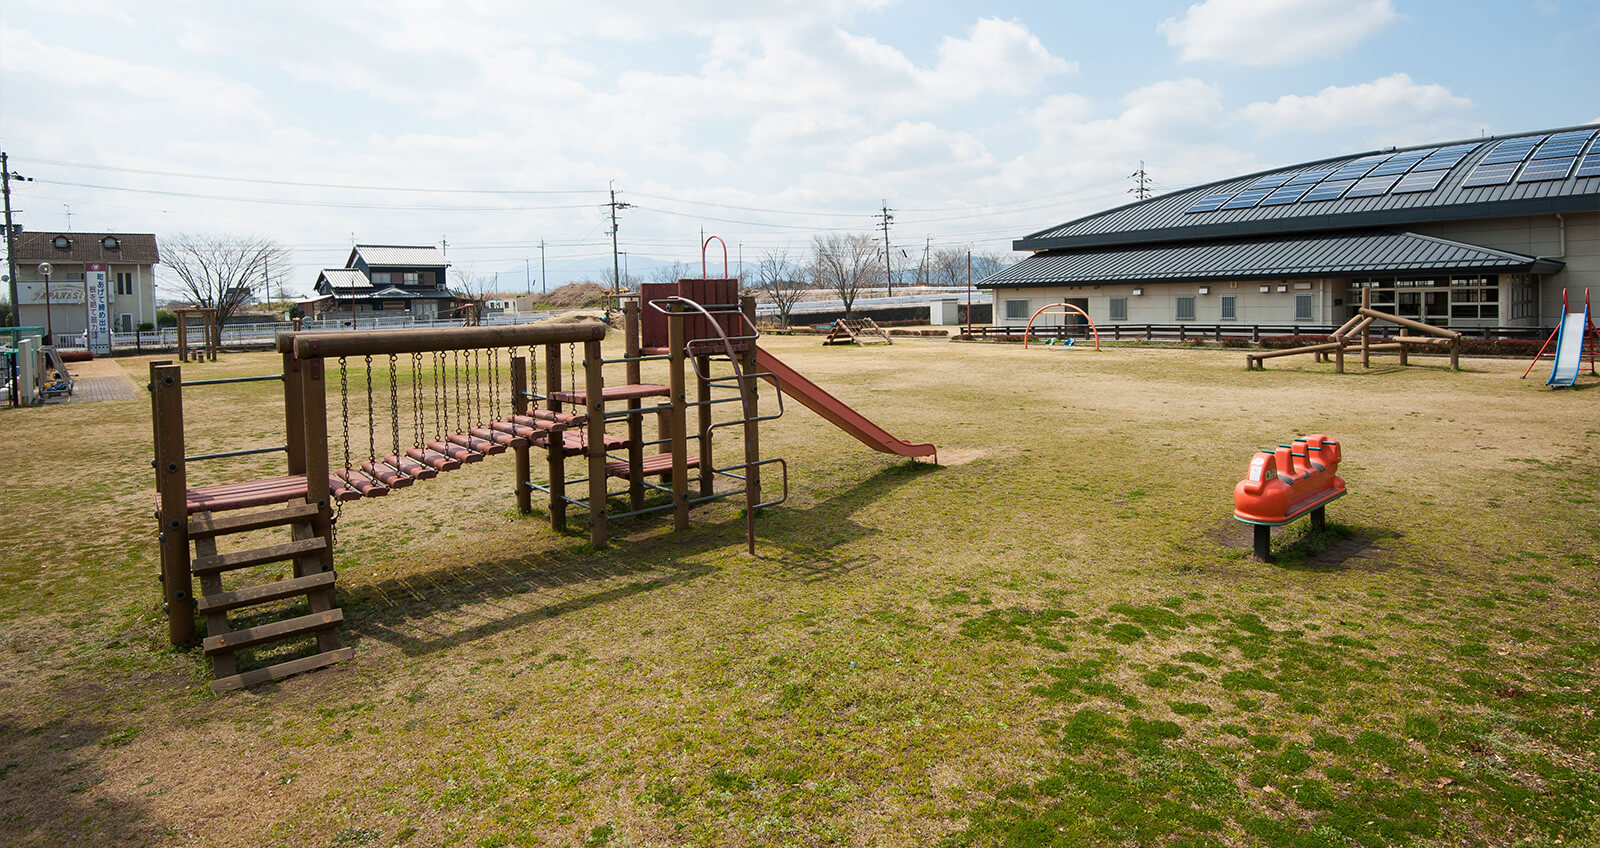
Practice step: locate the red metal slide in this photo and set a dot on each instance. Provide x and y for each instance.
(834, 411)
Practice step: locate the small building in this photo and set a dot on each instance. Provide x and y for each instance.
(387, 281)
(127, 261)
(1479, 233)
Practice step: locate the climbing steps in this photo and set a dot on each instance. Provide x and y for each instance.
(857, 331)
(313, 580)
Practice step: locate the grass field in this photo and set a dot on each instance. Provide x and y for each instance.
(1056, 638)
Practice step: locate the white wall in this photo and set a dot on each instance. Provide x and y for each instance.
(1158, 302)
(1538, 235)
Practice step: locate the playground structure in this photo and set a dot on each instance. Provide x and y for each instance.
(1067, 309)
(1575, 334)
(1357, 332)
(465, 394)
(34, 372)
(1286, 483)
(858, 331)
(210, 333)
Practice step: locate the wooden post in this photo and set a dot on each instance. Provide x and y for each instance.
(1338, 358)
(630, 332)
(752, 411)
(680, 446)
(177, 582)
(314, 394)
(702, 393)
(557, 458)
(519, 405)
(183, 335)
(594, 389)
(1455, 354)
(1366, 331)
(294, 415)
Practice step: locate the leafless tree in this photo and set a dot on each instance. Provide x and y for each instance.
(846, 264)
(222, 272)
(629, 281)
(471, 291)
(782, 281)
(669, 273)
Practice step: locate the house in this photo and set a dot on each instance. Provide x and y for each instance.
(1479, 233)
(387, 281)
(121, 292)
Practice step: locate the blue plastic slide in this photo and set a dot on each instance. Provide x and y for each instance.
(1569, 349)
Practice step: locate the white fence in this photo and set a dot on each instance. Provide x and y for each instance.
(252, 335)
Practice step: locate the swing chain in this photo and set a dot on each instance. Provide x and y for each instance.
(344, 418)
(372, 429)
(394, 404)
(416, 397)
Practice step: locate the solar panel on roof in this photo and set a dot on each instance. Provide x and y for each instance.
(1209, 202)
(1460, 148)
(1330, 190)
(1393, 166)
(1414, 154)
(1439, 162)
(1419, 181)
(1285, 195)
(1553, 149)
(1352, 171)
(1247, 198)
(1371, 186)
(1580, 135)
(1486, 174)
(1590, 166)
(1271, 181)
(1546, 169)
(1522, 141)
(1506, 154)
(1310, 177)
(1371, 159)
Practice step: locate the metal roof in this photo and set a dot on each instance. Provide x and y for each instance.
(383, 255)
(344, 278)
(1283, 257)
(1167, 218)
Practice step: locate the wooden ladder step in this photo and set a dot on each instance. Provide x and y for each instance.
(276, 591)
(281, 670)
(273, 631)
(258, 556)
(208, 525)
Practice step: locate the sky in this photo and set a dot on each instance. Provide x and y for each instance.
(490, 127)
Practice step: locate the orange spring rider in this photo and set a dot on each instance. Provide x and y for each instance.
(1286, 483)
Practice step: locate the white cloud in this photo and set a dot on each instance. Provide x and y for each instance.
(915, 147)
(1400, 108)
(1274, 32)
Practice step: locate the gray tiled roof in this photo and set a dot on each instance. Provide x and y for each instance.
(1166, 218)
(132, 248)
(1265, 258)
(403, 255)
(345, 279)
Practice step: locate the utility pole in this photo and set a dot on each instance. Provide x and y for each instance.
(69, 216)
(544, 283)
(616, 269)
(884, 219)
(527, 273)
(6, 176)
(924, 278)
(969, 294)
(1141, 183)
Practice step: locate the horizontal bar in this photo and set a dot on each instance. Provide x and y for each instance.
(226, 454)
(311, 345)
(641, 511)
(219, 381)
(546, 489)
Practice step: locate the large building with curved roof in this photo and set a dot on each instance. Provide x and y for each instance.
(1467, 234)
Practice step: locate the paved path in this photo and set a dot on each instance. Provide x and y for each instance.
(100, 379)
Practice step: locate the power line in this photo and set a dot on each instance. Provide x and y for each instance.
(298, 184)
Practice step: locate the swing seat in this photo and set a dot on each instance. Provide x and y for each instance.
(651, 466)
(576, 443)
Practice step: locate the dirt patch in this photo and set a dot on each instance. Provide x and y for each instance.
(960, 456)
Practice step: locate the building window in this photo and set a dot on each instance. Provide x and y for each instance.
(1016, 310)
(380, 278)
(1230, 307)
(1186, 307)
(411, 278)
(124, 283)
(1302, 307)
(1119, 309)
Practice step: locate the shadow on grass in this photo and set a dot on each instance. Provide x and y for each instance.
(1336, 547)
(803, 537)
(53, 778)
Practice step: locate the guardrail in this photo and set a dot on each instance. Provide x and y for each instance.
(1217, 332)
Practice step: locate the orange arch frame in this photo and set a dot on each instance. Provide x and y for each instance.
(1085, 315)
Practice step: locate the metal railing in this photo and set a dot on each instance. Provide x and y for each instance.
(250, 335)
(1187, 331)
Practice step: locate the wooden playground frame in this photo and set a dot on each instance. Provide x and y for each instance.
(210, 333)
(1360, 327)
(698, 330)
